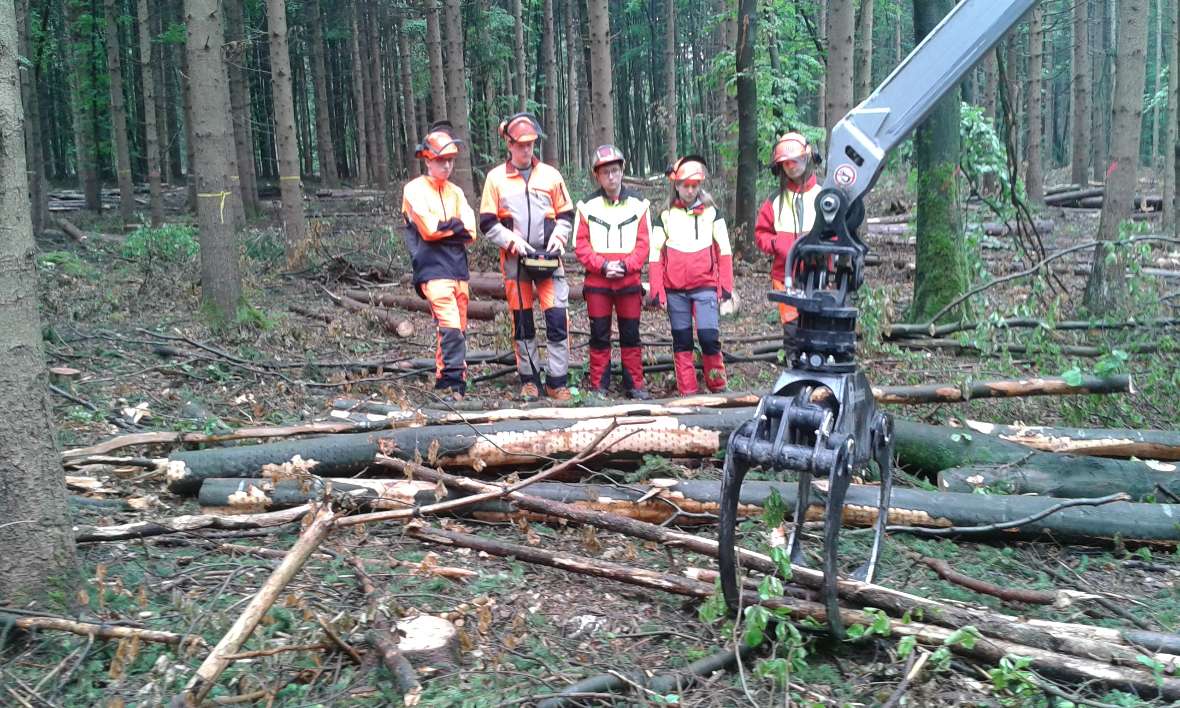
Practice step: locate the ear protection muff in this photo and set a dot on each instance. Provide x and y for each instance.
(522, 126)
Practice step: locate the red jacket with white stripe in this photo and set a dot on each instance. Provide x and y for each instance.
(690, 250)
(783, 219)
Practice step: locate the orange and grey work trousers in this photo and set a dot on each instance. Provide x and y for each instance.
(789, 316)
(552, 295)
(448, 305)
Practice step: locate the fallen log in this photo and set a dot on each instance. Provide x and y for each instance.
(476, 309)
(389, 321)
(966, 461)
(990, 650)
(1081, 640)
(968, 390)
(470, 446)
(100, 631)
(901, 330)
(186, 524)
(696, 502)
(72, 231)
(1097, 442)
(491, 286)
(990, 228)
(1063, 197)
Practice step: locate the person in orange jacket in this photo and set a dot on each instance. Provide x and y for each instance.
(526, 211)
(788, 215)
(440, 225)
(611, 239)
(691, 273)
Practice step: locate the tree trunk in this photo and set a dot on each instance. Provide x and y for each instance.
(1106, 290)
(746, 194)
(82, 104)
(1095, 442)
(602, 88)
(838, 77)
(1159, 67)
(1102, 83)
(240, 104)
(189, 136)
(38, 538)
(377, 88)
(290, 187)
(438, 78)
(410, 123)
(147, 72)
(38, 195)
(1033, 178)
(1080, 123)
(1170, 163)
(863, 50)
(549, 92)
(671, 107)
(319, 75)
(119, 115)
(358, 97)
(941, 273)
(457, 95)
(221, 284)
(519, 69)
(573, 86)
(821, 98)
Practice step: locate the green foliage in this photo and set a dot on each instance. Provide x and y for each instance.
(879, 626)
(165, 246)
(68, 263)
(654, 466)
(1013, 682)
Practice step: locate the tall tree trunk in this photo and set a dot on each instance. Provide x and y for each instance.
(438, 79)
(240, 104)
(411, 115)
(746, 196)
(32, 134)
(221, 284)
(1080, 152)
(82, 105)
(457, 95)
(1173, 168)
(519, 70)
(189, 138)
(38, 538)
(303, 119)
(1159, 68)
(941, 261)
(838, 77)
(864, 50)
(1033, 179)
(148, 77)
(573, 59)
(290, 187)
(585, 110)
(319, 77)
(1106, 289)
(377, 86)
(119, 115)
(549, 61)
(358, 97)
(671, 109)
(602, 89)
(1104, 85)
(821, 98)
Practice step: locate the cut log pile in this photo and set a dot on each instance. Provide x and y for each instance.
(1091, 198)
(424, 463)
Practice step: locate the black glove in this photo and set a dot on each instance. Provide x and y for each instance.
(455, 224)
(726, 295)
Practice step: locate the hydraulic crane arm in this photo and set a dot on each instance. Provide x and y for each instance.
(863, 137)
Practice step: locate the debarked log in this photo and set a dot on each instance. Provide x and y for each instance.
(470, 446)
(1017, 469)
(1098, 442)
(1046, 386)
(695, 502)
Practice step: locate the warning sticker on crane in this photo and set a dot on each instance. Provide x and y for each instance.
(845, 175)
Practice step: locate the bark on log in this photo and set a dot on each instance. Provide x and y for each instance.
(935, 449)
(471, 446)
(901, 330)
(388, 320)
(1081, 640)
(1061, 198)
(1048, 386)
(990, 650)
(101, 631)
(491, 286)
(476, 310)
(1096, 442)
(695, 502)
(72, 231)
(185, 524)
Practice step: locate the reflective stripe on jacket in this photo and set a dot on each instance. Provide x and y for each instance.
(783, 219)
(692, 246)
(439, 226)
(613, 231)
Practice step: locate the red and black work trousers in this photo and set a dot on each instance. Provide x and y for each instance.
(626, 304)
(448, 305)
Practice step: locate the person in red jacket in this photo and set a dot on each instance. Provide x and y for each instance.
(611, 239)
(439, 227)
(691, 272)
(788, 215)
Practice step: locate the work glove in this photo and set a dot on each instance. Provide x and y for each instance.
(614, 270)
(657, 299)
(518, 246)
(556, 244)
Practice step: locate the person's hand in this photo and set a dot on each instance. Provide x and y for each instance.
(518, 246)
(614, 270)
(556, 244)
(657, 300)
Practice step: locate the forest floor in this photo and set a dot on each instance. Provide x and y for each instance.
(123, 311)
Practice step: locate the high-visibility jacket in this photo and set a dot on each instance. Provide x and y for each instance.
(613, 231)
(534, 208)
(439, 226)
(690, 250)
(783, 219)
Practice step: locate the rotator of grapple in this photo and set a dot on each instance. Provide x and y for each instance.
(821, 419)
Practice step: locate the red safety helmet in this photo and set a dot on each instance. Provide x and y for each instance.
(690, 168)
(521, 128)
(440, 142)
(605, 155)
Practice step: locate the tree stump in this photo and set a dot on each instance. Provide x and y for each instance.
(429, 642)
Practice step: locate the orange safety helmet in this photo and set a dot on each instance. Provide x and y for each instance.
(521, 128)
(792, 146)
(605, 155)
(690, 168)
(440, 142)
